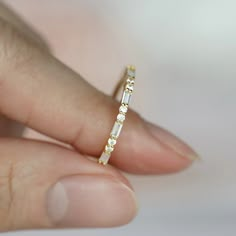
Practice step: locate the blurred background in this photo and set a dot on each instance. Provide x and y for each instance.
(185, 53)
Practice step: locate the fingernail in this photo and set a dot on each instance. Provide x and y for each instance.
(172, 142)
(90, 201)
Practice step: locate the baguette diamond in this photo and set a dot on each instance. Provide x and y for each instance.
(116, 130)
(126, 98)
(131, 73)
(117, 127)
(104, 158)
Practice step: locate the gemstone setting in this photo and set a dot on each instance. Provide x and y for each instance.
(104, 158)
(123, 109)
(124, 103)
(129, 87)
(109, 149)
(131, 73)
(111, 142)
(126, 98)
(130, 81)
(116, 130)
(121, 117)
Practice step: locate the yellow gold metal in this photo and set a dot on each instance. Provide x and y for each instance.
(101, 162)
(121, 82)
(127, 83)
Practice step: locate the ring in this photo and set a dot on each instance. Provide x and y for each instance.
(128, 80)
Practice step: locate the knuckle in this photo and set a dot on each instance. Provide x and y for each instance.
(16, 49)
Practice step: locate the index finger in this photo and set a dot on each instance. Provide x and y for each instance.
(41, 92)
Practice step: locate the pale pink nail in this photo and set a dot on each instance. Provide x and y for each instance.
(172, 142)
(90, 201)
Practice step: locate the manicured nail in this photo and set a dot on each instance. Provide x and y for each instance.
(90, 201)
(172, 142)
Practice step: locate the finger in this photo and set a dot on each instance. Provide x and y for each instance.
(9, 128)
(46, 186)
(13, 18)
(49, 97)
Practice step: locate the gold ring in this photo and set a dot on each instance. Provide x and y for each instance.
(128, 80)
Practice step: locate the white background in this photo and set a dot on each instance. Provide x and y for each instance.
(185, 52)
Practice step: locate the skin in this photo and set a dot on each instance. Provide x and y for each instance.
(48, 185)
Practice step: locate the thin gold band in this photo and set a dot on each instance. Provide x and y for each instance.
(128, 81)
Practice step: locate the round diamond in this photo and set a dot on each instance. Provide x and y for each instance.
(123, 109)
(111, 141)
(121, 117)
(129, 87)
(130, 81)
(109, 149)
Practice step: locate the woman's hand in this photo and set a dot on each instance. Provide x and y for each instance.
(44, 185)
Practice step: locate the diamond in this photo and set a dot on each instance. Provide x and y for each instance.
(126, 98)
(130, 81)
(104, 158)
(131, 73)
(111, 141)
(109, 149)
(129, 87)
(123, 109)
(116, 130)
(121, 117)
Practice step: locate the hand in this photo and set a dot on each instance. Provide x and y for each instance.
(45, 185)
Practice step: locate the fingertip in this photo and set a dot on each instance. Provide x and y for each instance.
(91, 201)
(145, 148)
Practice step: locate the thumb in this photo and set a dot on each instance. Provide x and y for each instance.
(46, 186)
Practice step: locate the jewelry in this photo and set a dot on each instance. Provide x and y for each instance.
(128, 81)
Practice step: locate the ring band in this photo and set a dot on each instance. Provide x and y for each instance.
(129, 79)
